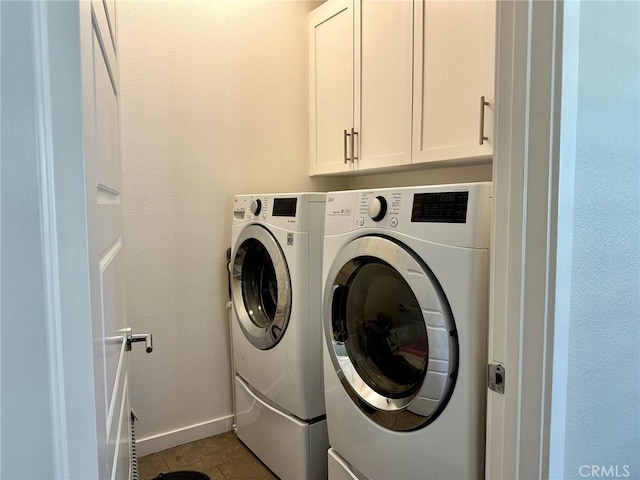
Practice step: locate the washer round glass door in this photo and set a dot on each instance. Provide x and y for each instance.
(390, 333)
(260, 287)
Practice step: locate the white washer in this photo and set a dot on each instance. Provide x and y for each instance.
(276, 268)
(405, 311)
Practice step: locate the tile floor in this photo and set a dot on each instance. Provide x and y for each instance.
(222, 457)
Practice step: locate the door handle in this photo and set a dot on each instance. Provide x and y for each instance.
(140, 337)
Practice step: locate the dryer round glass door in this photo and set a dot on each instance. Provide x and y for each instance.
(390, 333)
(260, 287)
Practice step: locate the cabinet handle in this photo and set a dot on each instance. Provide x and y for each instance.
(346, 148)
(353, 145)
(483, 103)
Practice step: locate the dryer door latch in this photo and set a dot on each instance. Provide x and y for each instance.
(496, 377)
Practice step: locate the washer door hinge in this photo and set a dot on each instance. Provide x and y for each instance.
(496, 377)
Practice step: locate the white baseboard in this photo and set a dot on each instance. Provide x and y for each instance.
(156, 443)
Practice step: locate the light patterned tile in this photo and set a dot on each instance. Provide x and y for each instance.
(150, 466)
(206, 454)
(246, 469)
(215, 474)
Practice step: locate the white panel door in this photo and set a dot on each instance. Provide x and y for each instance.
(67, 109)
(453, 69)
(383, 83)
(330, 87)
(105, 223)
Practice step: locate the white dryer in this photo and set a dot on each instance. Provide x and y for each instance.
(276, 269)
(405, 315)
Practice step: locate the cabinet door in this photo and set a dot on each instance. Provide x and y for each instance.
(330, 86)
(383, 92)
(454, 68)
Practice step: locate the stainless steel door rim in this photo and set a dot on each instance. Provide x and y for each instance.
(260, 287)
(390, 333)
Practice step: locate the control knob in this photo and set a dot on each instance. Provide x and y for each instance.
(256, 206)
(377, 208)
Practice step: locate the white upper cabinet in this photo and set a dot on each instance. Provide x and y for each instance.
(400, 82)
(330, 86)
(365, 122)
(453, 70)
(383, 83)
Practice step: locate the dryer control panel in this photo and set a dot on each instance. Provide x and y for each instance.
(379, 208)
(440, 207)
(452, 213)
(424, 207)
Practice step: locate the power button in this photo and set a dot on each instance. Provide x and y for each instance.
(394, 222)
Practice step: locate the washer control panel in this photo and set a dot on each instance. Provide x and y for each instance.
(256, 206)
(284, 210)
(251, 207)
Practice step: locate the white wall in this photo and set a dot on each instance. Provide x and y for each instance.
(596, 390)
(26, 416)
(214, 103)
(435, 176)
